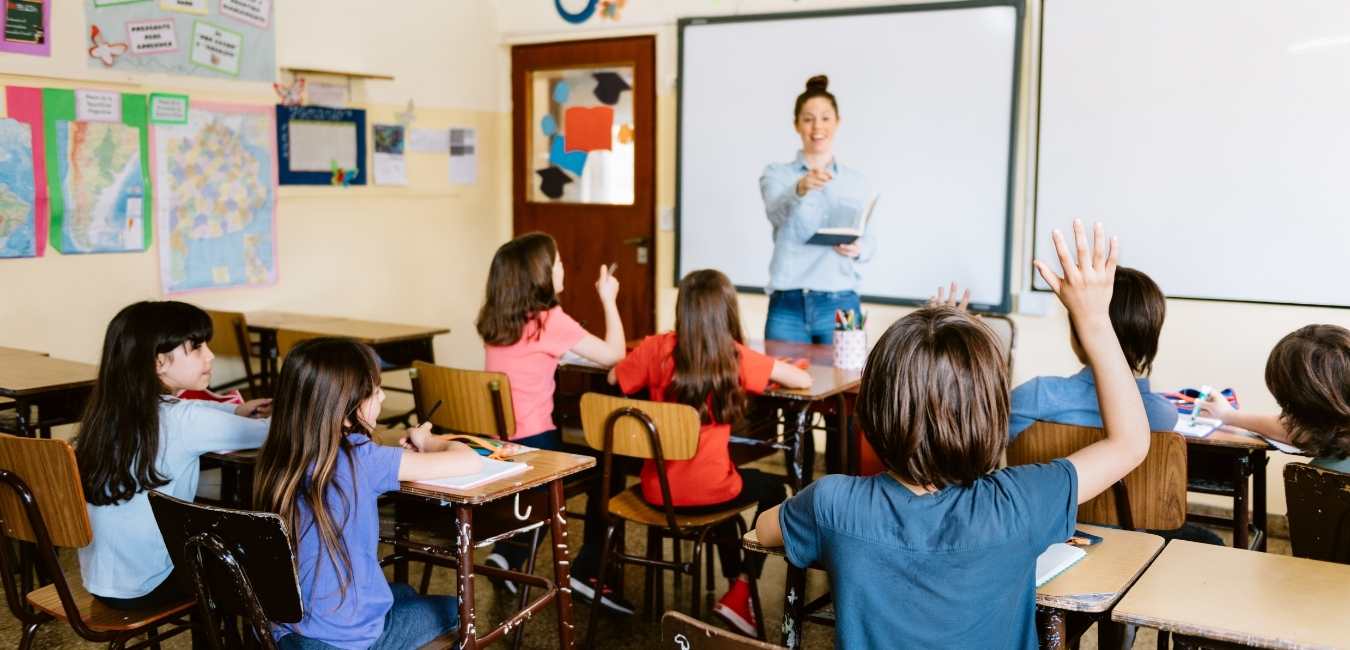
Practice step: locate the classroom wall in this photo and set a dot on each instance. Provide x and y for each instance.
(1224, 344)
(417, 254)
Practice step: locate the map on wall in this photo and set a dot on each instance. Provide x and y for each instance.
(215, 180)
(223, 39)
(97, 171)
(18, 191)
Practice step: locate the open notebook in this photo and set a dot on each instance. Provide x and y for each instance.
(846, 235)
(492, 470)
(1055, 560)
(1196, 427)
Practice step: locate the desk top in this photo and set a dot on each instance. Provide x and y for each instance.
(1246, 597)
(22, 375)
(1229, 437)
(9, 352)
(369, 332)
(1094, 584)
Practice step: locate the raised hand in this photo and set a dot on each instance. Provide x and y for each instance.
(607, 286)
(948, 298)
(1087, 284)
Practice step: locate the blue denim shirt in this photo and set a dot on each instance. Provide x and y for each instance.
(796, 264)
(1073, 400)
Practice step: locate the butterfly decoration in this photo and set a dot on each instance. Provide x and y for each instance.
(407, 117)
(102, 49)
(609, 9)
(291, 95)
(343, 177)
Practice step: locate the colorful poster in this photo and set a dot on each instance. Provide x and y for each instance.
(215, 198)
(27, 27)
(223, 39)
(18, 195)
(98, 175)
(320, 145)
(24, 105)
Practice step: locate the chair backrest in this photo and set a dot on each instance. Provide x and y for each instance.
(229, 333)
(472, 401)
(208, 539)
(677, 426)
(1156, 488)
(48, 468)
(1319, 512)
(288, 339)
(1006, 330)
(681, 632)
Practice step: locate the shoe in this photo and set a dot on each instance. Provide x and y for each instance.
(734, 608)
(496, 560)
(610, 600)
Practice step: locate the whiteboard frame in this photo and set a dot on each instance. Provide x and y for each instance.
(1018, 6)
(1034, 281)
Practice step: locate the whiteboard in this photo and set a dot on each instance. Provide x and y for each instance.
(926, 101)
(1210, 135)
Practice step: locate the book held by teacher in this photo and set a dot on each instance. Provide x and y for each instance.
(835, 236)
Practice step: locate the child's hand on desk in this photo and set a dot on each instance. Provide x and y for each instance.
(948, 298)
(1214, 406)
(419, 438)
(254, 408)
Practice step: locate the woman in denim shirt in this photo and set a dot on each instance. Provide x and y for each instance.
(807, 282)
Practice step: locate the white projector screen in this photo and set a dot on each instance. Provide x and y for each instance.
(1210, 135)
(926, 102)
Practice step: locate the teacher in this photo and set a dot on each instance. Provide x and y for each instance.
(807, 282)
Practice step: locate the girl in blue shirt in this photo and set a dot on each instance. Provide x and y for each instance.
(322, 473)
(807, 282)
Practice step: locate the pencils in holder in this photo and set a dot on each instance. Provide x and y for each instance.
(848, 320)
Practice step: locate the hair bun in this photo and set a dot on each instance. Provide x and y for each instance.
(818, 82)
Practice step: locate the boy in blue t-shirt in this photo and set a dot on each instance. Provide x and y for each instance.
(940, 550)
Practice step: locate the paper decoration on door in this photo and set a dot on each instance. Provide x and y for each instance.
(463, 156)
(215, 198)
(224, 39)
(24, 105)
(27, 27)
(583, 150)
(311, 140)
(390, 166)
(98, 170)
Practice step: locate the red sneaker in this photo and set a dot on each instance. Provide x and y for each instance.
(734, 608)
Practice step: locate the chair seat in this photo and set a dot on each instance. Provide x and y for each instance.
(629, 505)
(100, 617)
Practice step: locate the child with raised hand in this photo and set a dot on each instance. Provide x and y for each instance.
(940, 550)
(1308, 372)
(320, 471)
(135, 436)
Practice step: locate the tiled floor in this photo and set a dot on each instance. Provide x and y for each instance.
(615, 631)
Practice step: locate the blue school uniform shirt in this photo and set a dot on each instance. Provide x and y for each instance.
(127, 558)
(357, 620)
(796, 264)
(1073, 400)
(953, 569)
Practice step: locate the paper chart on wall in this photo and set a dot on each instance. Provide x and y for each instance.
(26, 27)
(18, 191)
(390, 166)
(463, 156)
(24, 105)
(228, 39)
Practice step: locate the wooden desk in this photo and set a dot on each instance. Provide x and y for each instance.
(501, 507)
(1240, 597)
(398, 345)
(1066, 605)
(1221, 464)
(59, 388)
(10, 352)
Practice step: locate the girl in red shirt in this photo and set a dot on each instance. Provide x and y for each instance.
(705, 364)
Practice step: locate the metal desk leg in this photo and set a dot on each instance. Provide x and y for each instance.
(1259, 460)
(799, 472)
(1051, 628)
(794, 599)
(22, 409)
(468, 621)
(1241, 519)
(562, 569)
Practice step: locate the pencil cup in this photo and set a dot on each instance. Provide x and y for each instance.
(850, 349)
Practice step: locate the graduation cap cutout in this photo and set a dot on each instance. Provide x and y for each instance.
(551, 181)
(608, 85)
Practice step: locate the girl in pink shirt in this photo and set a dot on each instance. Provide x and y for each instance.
(525, 333)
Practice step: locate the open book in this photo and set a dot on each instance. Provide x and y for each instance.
(846, 235)
(492, 470)
(1055, 560)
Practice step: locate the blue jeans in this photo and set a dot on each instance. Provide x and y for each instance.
(805, 316)
(413, 621)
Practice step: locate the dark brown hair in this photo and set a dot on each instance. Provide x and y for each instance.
(1308, 372)
(519, 288)
(933, 401)
(118, 443)
(1137, 311)
(316, 404)
(707, 366)
(816, 86)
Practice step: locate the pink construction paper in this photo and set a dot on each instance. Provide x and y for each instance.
(41, 49)
(25, 105)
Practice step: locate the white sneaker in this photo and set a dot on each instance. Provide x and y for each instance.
(497, 561)
(586, 589)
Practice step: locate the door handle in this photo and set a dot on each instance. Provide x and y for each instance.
(635, 241)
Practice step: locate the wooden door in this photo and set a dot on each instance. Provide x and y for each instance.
(584, 167)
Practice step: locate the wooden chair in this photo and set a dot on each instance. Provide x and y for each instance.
(230, 339)
(656, 431)
(43, 509)
(681, 632)
(472, 401)
(1319, 512)
(1151, 497)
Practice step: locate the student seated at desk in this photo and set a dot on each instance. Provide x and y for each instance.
(940, 550)
(704, 363)
(136, 436)
(525, 334)
(320, 471)
(1308, 372)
